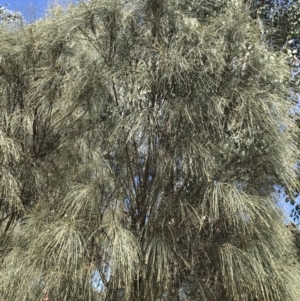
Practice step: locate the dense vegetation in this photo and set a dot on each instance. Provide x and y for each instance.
(280, 24)
(140, 144)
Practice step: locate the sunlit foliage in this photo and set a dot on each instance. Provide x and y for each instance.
(140, 142)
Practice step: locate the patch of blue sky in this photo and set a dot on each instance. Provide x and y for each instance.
(295, 72)
(240, 185)
(127, 204)
(33, 10)
(97, 281)
(280, 197)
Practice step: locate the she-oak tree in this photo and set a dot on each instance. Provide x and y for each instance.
(140, 142)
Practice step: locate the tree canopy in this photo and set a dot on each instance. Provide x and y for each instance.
(140, 144)
(280, 28)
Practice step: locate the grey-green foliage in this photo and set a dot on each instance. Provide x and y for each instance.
(140, 141)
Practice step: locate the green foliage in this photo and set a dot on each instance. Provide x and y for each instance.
(141, 141)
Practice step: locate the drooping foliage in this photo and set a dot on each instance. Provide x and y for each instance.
(279, 22)
(140, 143)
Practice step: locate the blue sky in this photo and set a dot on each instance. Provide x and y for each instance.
(30, 9)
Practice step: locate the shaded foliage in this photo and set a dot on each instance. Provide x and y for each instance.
(296, 233)
(140, 143)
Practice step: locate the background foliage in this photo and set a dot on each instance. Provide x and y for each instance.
(280, 29)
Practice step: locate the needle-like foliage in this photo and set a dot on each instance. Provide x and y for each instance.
(140, 142)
